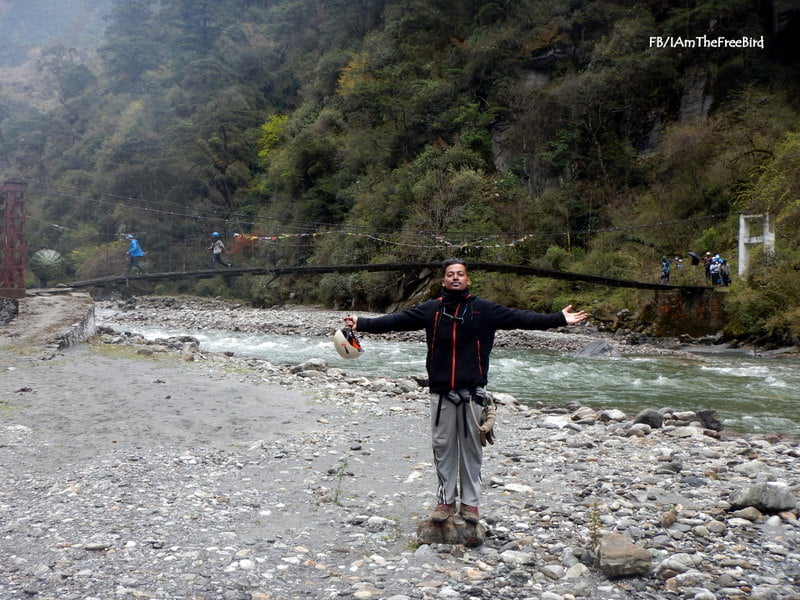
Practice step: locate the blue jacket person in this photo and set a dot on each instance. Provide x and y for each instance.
(135, 254)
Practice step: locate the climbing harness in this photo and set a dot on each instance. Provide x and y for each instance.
(465, 398)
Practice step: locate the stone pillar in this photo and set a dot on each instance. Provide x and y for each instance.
(12, 237)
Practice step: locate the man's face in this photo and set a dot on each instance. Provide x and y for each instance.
(455, 278)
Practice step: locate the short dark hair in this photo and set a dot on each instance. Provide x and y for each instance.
(453, 261)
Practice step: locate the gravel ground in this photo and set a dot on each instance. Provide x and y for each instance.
(133, 469)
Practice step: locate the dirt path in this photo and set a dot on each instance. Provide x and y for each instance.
(47, 320)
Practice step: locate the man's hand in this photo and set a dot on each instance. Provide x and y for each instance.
(351, 322)
(573, 318)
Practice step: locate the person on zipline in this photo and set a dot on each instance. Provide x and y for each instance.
(217, 248)
(459, 329)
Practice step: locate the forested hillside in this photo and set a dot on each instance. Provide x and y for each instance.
(570, 134)
(29, 26)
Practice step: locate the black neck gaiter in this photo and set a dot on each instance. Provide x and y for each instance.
(451, 298)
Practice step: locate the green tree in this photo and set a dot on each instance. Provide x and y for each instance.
(777, 190)
(131, 46)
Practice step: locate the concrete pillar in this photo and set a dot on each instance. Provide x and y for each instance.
(767, 237)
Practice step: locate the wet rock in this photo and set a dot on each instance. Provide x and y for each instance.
(596, 348)
(650, 417)
(709, 419)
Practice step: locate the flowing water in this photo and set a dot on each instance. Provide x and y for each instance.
(750, 394)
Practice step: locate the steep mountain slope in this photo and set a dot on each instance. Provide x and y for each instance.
(581, 135)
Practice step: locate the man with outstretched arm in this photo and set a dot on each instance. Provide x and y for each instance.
(459, 330)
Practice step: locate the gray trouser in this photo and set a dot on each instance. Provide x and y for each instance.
(457, 450)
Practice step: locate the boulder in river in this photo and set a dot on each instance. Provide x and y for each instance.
(596, 348)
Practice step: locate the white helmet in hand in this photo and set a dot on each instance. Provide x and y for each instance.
(347, 344)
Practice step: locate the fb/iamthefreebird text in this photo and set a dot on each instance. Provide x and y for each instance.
(704, 41)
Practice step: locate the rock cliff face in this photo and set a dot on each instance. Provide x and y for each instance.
(696, 100)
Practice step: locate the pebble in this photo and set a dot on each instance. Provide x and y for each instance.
(290, 518)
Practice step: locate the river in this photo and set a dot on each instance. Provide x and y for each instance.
(750, 394)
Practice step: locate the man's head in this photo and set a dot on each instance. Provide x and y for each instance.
(454, 275)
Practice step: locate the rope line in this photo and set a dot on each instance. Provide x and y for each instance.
(131, 203)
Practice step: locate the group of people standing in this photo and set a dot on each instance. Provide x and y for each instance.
(717, 269)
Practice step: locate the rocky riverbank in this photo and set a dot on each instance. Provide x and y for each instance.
(143, 469)
(203, 313)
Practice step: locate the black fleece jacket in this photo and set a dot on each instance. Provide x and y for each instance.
(459, 329)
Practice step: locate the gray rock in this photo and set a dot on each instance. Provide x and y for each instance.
(752, 468)
(310, 374)
(553, 571)
(407, 385)
(766, 497)
(650, 417)
(751, 513)
(375, 523)
(312, 364)
(612, 415)
(679, 563)
(518, 558)
(453, 531)
(504, 399)
(638, 430)
(617, 556)
(583, 413)
(596, 348)
(709, 419)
